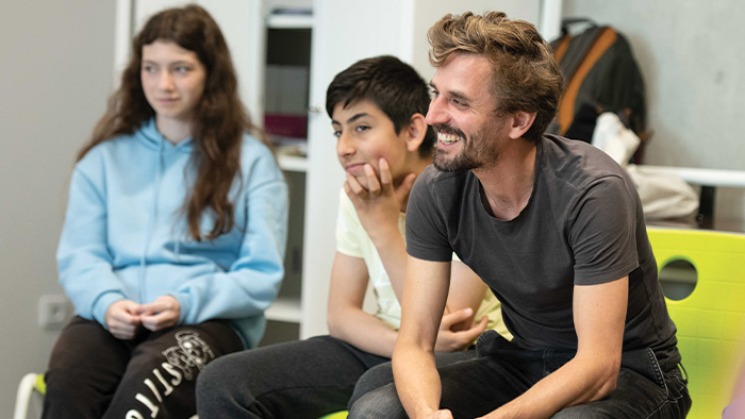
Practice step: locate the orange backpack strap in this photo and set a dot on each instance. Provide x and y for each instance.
(560, 47)
(575, 72)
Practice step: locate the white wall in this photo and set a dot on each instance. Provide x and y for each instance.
(690, 53)
(56, 74)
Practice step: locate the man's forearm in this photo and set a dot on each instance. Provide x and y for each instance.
(574, 383)
(425, 294)
(417, 380)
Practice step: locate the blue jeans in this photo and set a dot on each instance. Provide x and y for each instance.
(501, 372)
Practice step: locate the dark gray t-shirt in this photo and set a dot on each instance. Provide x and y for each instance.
(583, 225)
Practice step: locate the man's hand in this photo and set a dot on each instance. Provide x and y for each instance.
(162, 313)
(458, 331)
(123, 319)
(441, 414)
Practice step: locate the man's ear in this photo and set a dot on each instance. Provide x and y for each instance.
(521, 123)
(414, 133)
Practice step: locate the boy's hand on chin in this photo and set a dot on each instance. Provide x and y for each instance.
(378, 205)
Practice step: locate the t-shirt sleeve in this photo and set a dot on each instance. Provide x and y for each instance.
(603, 235)
(426, 229)
(348, 228)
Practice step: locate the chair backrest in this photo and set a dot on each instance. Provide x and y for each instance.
(711, 320)
(30, 396)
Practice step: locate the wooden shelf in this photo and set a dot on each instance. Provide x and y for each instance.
(292, 163)
(289, 21)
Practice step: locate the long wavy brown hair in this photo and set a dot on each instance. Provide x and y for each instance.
(220, 119)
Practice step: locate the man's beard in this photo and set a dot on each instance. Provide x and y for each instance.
(461, 161)
(471, 156)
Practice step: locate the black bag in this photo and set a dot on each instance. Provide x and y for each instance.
(601, 75)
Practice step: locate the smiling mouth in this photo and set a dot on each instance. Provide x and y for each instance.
(448, 138)
(448, 135)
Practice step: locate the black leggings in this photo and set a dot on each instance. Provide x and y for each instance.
(92, 374)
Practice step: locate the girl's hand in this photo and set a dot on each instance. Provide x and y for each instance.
(123, 319)
(161, 314)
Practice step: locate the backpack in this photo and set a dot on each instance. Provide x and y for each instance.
(601, 75)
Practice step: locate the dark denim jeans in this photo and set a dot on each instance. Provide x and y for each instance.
(298, 379)
(501, 372)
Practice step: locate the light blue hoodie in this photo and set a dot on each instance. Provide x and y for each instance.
(126, 237)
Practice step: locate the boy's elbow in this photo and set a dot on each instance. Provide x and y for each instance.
(337, 321)
(333, 324)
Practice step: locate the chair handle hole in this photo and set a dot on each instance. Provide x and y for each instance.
(678, 278)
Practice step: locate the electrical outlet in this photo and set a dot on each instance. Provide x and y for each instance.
(54, 311)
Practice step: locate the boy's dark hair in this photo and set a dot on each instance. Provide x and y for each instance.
(392, 85)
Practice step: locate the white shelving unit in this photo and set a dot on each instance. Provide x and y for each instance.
(294, 19)
(287, 60)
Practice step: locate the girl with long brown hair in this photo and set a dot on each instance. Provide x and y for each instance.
(174, 237)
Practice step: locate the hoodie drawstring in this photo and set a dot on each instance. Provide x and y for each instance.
(151, 221)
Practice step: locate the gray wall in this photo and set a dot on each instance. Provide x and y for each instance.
(691, 58)
(57, 60)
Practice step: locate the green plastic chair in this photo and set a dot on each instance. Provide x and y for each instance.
(337, 415)
(711, 320)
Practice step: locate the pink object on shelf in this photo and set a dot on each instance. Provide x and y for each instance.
(284, 125)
